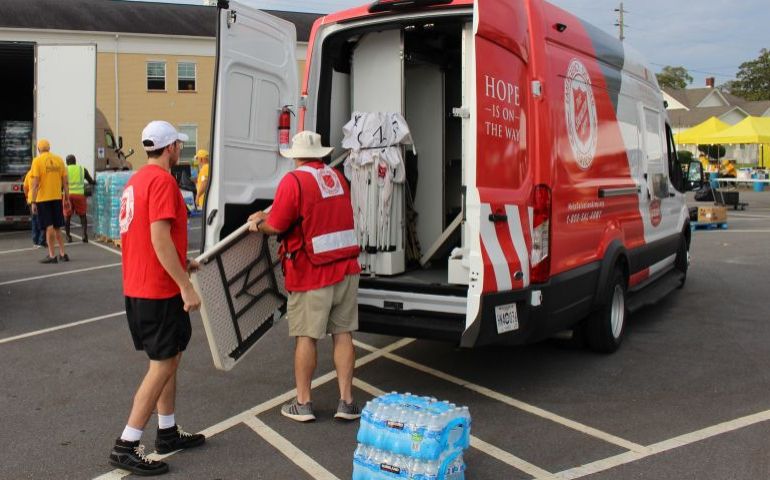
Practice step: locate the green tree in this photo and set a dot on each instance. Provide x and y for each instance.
(714, 152)
(753, 79)
(674, 77)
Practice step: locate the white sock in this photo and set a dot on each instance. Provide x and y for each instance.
(166, 421)
(131, 434)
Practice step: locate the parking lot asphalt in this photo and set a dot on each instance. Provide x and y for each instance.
(686, 396)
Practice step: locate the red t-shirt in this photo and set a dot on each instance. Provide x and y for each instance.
(300, 274)
(150, 195)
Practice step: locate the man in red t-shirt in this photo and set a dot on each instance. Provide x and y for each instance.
(319, 251)
(159, 295)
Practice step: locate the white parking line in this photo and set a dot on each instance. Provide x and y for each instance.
(16, 232)
(273, 402)
(300, 458)
(60, 327)
(59, 274)
(477, 443)
(736, 231)
(607, 437)
(29, 249)
(664, 446)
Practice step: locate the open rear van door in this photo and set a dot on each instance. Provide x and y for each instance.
(240, 278)
(498, 183)
(256, 76)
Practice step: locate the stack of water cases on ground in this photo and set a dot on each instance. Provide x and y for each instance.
(404, 436)
(109, 190)
(15, 147)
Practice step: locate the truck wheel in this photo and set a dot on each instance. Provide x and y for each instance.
(603, 330)
(682, 262)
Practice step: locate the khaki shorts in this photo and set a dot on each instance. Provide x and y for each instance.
(332, 309)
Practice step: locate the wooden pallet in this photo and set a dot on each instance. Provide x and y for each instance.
(708, 226)
(115, 242)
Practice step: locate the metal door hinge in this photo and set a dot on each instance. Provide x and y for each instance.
(461, 112)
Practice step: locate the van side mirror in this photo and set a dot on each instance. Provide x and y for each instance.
(120, 143)
(695, 175)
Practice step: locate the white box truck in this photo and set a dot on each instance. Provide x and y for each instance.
(46, 91)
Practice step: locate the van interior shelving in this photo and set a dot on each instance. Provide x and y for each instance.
(418, 72)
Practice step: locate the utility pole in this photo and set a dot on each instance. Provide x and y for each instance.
(621, 21)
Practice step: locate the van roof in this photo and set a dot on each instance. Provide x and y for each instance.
(363, 11)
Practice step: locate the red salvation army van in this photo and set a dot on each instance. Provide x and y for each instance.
(512, 167)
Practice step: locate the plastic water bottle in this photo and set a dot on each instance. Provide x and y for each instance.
(418, 432)
(431, 470)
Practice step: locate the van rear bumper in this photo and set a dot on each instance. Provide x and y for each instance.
(560, 303)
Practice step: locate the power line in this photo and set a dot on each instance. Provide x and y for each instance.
(704, 72)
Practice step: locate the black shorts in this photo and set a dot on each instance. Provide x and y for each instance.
(50, 213)
(159, 327)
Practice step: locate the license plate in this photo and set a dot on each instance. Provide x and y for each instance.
(507, 318)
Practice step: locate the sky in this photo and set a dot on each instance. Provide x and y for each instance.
(710, 38)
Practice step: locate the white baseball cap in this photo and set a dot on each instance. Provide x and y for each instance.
(306, 144)
(159, 134)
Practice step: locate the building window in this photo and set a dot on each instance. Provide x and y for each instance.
(190, 146)
(156, 75)
(185, 73)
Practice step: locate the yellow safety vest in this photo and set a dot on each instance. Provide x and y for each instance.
(76, 179)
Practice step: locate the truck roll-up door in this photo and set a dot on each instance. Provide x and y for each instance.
(65, 105)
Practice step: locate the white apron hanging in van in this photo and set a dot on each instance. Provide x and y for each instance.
(375, 168)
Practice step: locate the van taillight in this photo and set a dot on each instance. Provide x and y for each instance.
(541, 234)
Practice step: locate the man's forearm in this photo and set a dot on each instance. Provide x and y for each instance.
(35, 184)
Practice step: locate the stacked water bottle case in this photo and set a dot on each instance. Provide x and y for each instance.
(404, 436)
(109, 190)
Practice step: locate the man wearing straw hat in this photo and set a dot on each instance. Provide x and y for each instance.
(319, 253)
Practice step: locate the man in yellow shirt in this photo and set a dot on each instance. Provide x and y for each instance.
(203, 177)
(38, 235)
(49, 179)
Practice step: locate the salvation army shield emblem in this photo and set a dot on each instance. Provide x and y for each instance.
(580, 113)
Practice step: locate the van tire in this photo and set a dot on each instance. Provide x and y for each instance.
(682, 262)
(603, 330)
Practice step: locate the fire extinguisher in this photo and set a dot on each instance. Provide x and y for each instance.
(284, 126)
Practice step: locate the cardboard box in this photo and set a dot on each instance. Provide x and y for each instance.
(712, 214)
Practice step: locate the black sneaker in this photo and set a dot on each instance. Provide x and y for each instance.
(64, 258)
(174, 438)
(48, 259)
(130, 456)
(85, 239)
(69, 238)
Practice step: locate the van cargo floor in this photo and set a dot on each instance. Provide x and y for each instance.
(423, 280)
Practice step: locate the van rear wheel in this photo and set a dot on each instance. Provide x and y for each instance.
(682, 262)
(603, 330)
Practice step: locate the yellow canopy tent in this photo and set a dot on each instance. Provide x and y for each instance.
(692, 136)
(752, 130)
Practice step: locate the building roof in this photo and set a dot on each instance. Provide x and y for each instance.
(121, 16)
(689, 97)
(687, 118)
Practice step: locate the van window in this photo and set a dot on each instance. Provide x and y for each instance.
(652, 136)
(653, 144)
(674, 168)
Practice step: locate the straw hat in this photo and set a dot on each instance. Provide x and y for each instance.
(306, 144)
